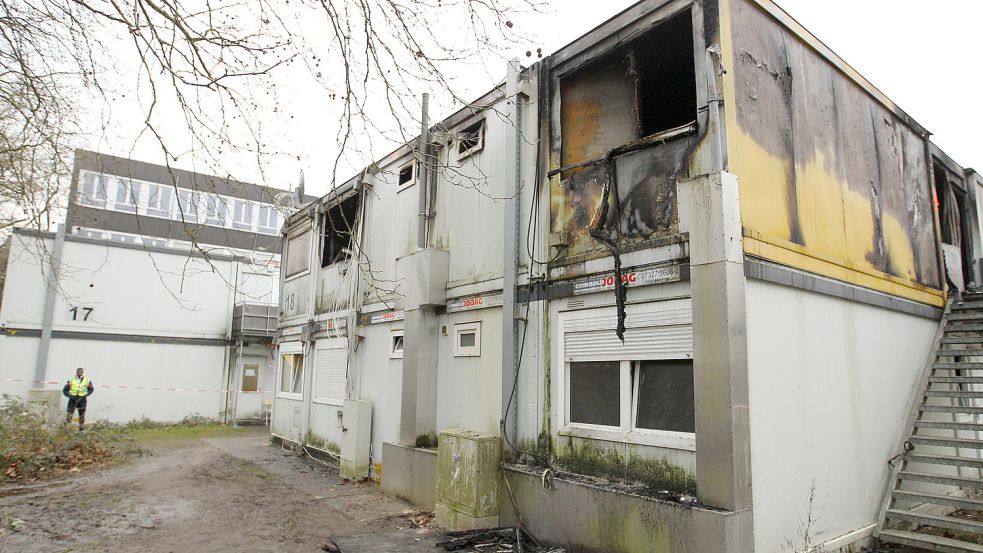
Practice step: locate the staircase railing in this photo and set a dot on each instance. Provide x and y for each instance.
(914, 405)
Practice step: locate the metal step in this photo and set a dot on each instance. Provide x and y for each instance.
(967, 306)
(952, 393)
(955, 379)
(960, 481)
(950, 409)
(970, 526)
(964, 317)
(945, 460)
(978, 340)
(947, 352)
(963, 328)
(928, 541)
(946, 442)
(939, 499)
(949, 425)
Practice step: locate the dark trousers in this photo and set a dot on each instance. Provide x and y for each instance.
(76, 402)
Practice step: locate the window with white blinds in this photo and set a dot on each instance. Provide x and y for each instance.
(638, 392)
(661, 330)
(330, 370)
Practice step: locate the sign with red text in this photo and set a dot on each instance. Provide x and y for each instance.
(474, 302)
(600, 283)
(386, 317)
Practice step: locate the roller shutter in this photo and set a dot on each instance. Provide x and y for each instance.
(657, 330)
(331, 369)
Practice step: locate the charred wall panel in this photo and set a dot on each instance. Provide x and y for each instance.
(609, 113)
(828, 174)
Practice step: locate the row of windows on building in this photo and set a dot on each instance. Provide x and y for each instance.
(269, 261)
(191, 206)
(654, 395)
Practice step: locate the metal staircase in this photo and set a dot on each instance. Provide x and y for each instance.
(934, 500)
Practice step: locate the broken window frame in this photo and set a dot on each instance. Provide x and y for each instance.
(411, 165)
(626, 431)
(473, 350)
(333, 222)
(476, 130)
(644, 139)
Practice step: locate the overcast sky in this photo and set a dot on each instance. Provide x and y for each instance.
(925, 59)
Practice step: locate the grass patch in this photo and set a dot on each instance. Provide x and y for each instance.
(32, 449)
(192, 426)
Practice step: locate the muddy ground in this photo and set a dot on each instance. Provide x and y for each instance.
(214, 490)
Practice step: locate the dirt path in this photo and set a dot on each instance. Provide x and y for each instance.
(227, 492)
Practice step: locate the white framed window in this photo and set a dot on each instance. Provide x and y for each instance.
(127, 195)
(406, 176)
(269, 220)
(159, 200)
(467, 339)
(640, 391)
(215, 210)
(291, 376)
(125, 238)
(298, 252)
(330, 370)
(158, 242)
(92, 190)
(633, 396)
(89, 233)
(396, 344)
(242, 215)
(470, 140)
(188, 202)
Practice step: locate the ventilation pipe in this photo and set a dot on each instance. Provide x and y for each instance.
(423, 173)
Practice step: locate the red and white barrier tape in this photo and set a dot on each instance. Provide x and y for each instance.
(128, 387)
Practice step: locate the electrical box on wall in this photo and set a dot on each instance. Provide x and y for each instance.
(356, 434)
(467, 480)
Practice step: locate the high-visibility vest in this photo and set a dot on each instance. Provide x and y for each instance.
(78, 386)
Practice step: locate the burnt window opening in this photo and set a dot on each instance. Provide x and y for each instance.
(337, 228)
(471, 139)
(948, 202)
(641, 89)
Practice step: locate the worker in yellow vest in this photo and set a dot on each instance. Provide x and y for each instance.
(78, 389)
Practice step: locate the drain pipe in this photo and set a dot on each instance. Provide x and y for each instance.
(713, 107)
(423, 173)
(510, 147)
(54, 269)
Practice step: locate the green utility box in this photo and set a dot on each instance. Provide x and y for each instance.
(467, 480)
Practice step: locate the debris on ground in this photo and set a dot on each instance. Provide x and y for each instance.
(421, 519)
(964, 514)
(331, 547)
(32, 449)
(495, 540)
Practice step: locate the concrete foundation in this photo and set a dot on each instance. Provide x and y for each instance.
(586, 518)
(410, 474)
(47, 403)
